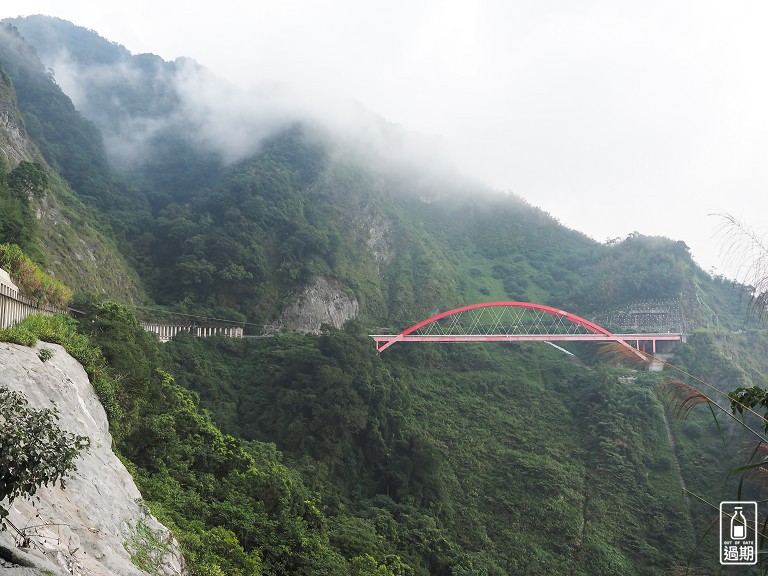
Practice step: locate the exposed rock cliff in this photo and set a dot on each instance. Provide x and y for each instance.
(14, 146)
(324, 302)
(94, 525)
(380, 242)
(80, 253)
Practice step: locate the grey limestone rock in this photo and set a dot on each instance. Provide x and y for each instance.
(323, 302)
(84, 528)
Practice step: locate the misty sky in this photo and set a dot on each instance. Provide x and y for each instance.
(612, 116)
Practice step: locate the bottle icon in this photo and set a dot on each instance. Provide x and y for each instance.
(738, 524)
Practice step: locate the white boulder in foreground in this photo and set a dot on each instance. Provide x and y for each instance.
(85, 528)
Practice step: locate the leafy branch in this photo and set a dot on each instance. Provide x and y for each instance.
(35, 450)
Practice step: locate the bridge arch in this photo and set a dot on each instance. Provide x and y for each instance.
(503, 322)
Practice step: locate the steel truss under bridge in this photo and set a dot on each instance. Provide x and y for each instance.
(514, 322)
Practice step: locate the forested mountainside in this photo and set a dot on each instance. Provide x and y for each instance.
(40, 212)
(309, 453)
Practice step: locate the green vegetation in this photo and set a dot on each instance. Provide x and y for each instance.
(17, 188)
(721, 371)
(508, 460)
(30, 279)
(234, 506)
(35, 451)
(480, 460)
(232, 503)
(70, 144)
(147, 548)
(38, 209)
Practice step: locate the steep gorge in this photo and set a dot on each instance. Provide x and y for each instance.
(479, 460)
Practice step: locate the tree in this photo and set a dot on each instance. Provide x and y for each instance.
(28, 178)
(17, 220)
(34, 451)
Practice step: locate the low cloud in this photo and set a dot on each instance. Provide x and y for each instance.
(228, 120)
(137, 100)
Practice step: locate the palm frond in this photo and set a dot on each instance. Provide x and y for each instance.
(618, 353)
(745, 251)
(757, 460)
(681, 397)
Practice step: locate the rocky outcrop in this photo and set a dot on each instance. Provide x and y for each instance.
(94, 525)
(324, 302)
(379, 241)
(14, 145)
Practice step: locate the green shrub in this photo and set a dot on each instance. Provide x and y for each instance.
(662, 464)
(61, 329)
(31, 280)
(692, 429)
(35, 451)
(147, 547)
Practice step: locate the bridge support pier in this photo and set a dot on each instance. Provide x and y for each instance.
(658, 361)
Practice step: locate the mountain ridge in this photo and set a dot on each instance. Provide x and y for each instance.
(313, 192)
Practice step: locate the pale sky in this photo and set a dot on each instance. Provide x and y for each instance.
(613, 116)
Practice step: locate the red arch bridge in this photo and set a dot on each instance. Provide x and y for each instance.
(516, 322)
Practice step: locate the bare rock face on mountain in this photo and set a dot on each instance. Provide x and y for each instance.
(323, 302)
(97, 523)
(14, 146)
